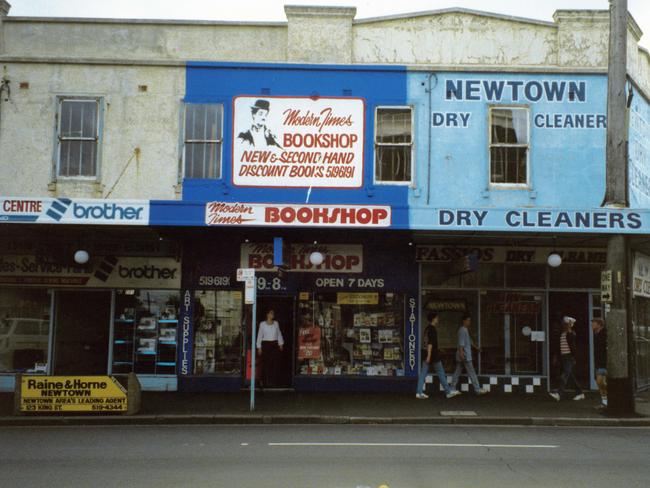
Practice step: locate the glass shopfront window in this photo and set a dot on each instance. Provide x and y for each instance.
(580, 276)
(145, 331)
(218, 337)
(351, 334)
(642, 341)
(450, 307)
(512, 333)
(24, 330)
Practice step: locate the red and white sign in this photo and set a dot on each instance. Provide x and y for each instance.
(298, 142)
(338, 258)
(292, 215)
(309, 339)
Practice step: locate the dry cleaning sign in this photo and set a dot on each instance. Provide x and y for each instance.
(298, 142)
(72, 394)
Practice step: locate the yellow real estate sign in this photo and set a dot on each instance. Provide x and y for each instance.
(72, 394)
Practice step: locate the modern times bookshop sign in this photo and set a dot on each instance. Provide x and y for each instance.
(298, 142)
(71, 394)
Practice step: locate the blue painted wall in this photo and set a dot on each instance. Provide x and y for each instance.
(639, 152)
(451, 158)
(219, 83)
(567, 165)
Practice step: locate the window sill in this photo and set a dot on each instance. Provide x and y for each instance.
(509, 186)
(394, 183)
(76, 188)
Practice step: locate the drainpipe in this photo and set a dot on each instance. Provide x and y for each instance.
(429, 90)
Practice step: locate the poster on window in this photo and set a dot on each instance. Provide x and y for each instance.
(299, 142)
(641, 275)
(309, 342)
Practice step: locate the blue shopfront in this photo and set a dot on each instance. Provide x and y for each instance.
(349, 323)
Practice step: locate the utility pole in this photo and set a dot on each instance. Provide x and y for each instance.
(620, 388)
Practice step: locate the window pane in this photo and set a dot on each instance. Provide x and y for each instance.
(202, 160)
(88, 149)
(24, 329)
(218, 342)
(509, 126)
(394, 126)
(486, 274)
(337, 337)
(70, 158)
(526, 275)
(576, 276)
(78, 118)
(89, 119)
(508, 164)
(511, 315)
(393, 163)
(439, 274)
(203, 122)
(450, 307)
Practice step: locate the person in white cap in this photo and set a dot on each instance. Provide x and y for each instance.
(567, 353)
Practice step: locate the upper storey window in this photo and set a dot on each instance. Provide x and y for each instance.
(78, 137)
(509, 146)
(393, 145)
(203, 140)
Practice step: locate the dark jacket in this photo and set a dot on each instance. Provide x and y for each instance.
(600, 349)
(431, 335)
(248, 137)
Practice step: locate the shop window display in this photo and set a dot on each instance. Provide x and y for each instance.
(145, 331)
(450, 306)
(218, 333)
(24, 330)
(512, 333)
(351, 334)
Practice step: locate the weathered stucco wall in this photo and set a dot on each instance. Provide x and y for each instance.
(141, 40)
(147, 121)
(450, 38)
(319, 34)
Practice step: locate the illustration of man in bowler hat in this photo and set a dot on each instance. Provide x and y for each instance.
(259, 136)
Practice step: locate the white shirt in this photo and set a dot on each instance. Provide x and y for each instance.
(269, 332)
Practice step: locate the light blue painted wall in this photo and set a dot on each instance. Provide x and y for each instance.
(639, 152)
(567, 165)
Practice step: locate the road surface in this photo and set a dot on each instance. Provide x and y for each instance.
(324, 456)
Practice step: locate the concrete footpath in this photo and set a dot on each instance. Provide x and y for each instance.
(345, 408)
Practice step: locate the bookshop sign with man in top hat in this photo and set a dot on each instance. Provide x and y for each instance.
(298, 142)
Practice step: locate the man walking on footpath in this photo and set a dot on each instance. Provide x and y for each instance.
(432, 357)
(464, 357)
(567, 355)
(600, 358)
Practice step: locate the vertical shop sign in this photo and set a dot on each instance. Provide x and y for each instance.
(412, 349)
(185, 349)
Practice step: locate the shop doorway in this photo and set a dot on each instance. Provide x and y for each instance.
(576, 305)
(82, 323)
(285, 315)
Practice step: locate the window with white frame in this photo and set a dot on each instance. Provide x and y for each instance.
(77, 137)
(202, 140)
(509, 146)
(393, 145)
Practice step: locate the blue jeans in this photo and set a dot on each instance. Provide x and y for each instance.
(568, 376)
(440, 371)
(469, 367)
